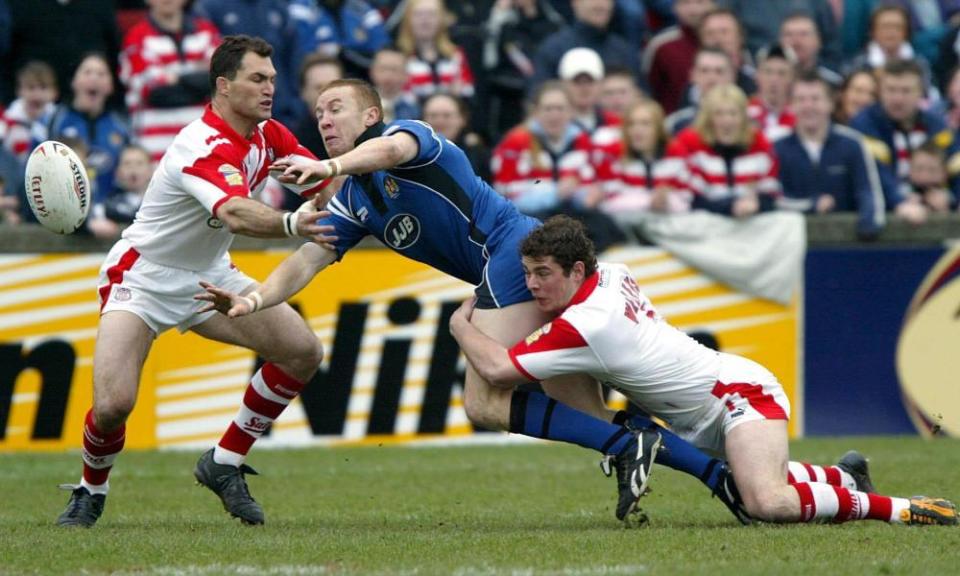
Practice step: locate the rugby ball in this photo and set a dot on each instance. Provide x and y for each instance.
(58, 189)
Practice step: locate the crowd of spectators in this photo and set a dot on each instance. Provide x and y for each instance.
(602, 109)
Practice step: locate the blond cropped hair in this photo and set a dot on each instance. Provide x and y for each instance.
(711, 101)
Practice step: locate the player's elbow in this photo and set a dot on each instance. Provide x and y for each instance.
(231, 214)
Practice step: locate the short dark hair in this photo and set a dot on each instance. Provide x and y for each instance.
(366, 94)
(317, 59)
(903, 68)
(566, 240)
(812, 77)
(229, 55)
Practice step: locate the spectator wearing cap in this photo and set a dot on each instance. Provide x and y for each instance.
(668, 58)
(761, 22)
(800, 34)
(590, 29)
(826, 167)
(351, 30)
(896, 126)
(711, 67)
(769, 107)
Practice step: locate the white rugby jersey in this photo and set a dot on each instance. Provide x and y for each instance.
(207, 164)
(611, 331)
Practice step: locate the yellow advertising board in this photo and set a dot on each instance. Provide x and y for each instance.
(391, 370)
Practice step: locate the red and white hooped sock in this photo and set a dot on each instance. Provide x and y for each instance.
(824, 502)
(798, 472)
(99, 452)
(269, 393)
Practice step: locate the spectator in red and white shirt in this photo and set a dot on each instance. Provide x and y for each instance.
(545, 162)
(164, 66)
(544, 166)
(36, 94)
(639, 178)
(730, 167)
(434, 62)
(769, 107)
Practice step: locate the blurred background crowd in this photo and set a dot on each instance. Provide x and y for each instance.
(603, 109)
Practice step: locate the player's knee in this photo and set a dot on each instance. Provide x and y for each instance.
(110, 413)
(303, 358)
(478, 411)
(764, 506)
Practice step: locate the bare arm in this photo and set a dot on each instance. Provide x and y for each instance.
(379, 153)
(286, 280)
(489, 358)
(251, 218)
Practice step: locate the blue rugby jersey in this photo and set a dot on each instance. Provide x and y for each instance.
(433, 209)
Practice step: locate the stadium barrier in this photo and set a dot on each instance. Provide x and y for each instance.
(867, 314)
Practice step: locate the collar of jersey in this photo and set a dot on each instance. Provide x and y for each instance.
(210, 118)
(585, 290)
(370, 133)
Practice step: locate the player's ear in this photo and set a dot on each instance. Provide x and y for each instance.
(222, 85)
(579, 270)
(371, 115)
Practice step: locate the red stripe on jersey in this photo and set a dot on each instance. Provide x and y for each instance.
(753, 394)
(115, 273)
(513, 358)
(556, 335)
(585, 290)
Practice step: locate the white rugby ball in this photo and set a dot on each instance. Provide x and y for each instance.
(58, 189)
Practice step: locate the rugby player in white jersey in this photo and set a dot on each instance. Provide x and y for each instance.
(197, 200)
(724, 404)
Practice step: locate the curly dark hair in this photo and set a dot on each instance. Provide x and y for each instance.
(566, 240)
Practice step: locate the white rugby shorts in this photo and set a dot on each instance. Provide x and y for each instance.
(162, 296)
(744, 392)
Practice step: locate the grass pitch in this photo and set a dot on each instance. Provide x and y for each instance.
(530, 509)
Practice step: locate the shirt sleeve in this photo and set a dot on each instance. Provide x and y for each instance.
(213, 180)
(348, 228)
(430, 143)
(554, 349)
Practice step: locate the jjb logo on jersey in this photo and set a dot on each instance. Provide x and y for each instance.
(402, 231)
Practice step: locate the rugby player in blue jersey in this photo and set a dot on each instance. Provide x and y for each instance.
(416, 192)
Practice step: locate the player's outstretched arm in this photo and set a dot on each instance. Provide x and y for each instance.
(287, 279)
(488, 357)
(251, 218)
(379, 153)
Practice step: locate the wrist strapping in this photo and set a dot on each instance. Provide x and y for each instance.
(336, 168)
(289, 224)
(256, 301)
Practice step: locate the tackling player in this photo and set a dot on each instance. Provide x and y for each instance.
(195, 203)
(416, 192)
(602, 325)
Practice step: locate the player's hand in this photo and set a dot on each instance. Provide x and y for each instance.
(825, 203)
(745, 206)
(463, 314)
(308, 226)
(224, 301)
(938, 200)
(301, 171)
(912, 211)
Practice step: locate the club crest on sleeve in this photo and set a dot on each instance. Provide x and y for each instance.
(231, 174)
(545, 329)
(391, 187)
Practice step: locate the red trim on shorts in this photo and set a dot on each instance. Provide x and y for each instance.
(115, 274)
(753, 394)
